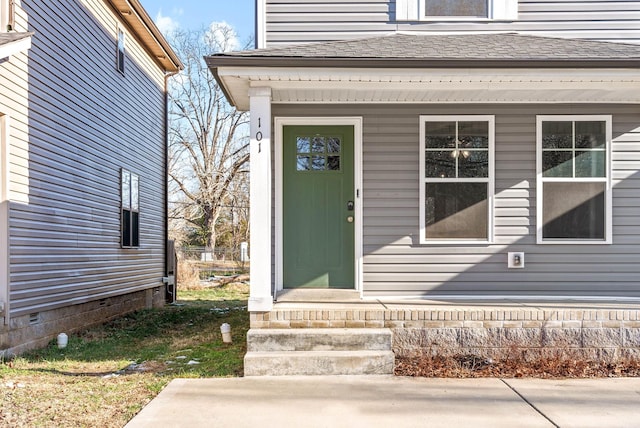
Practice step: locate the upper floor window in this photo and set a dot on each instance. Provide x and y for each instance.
(120, 51)
(130, 209)
(449, 8)
(6, 15)
(574, 179)
(443, 10)
(456, 178)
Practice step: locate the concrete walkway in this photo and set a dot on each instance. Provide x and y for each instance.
(388, 401)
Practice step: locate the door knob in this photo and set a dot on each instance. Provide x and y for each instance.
(350, 219)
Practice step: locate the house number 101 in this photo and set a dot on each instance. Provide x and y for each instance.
(259, 133)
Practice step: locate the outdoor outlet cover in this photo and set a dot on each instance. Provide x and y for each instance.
(515, 260)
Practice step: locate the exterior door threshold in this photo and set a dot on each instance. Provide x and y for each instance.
(324, 295)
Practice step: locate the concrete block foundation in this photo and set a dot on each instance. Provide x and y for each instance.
(36, 330)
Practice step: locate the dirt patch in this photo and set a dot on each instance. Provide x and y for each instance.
(473, 366)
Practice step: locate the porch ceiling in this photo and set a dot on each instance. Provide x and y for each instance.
(320, 85)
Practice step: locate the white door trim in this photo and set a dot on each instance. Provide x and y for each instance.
(279, 124)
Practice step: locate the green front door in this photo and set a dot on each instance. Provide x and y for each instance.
(318, 207)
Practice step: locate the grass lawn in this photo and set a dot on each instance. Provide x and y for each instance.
(107, 374)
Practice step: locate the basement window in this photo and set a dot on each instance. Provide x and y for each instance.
(130, 209)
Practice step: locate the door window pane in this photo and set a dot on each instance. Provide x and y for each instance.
(333, 145)
(303, 145)
(317, 144)
(318, 153)
(303, 163)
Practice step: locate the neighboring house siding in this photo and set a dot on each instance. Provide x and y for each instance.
(86, 121)
(301, 21)
(396, 264)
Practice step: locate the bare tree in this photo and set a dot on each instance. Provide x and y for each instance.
(208, 139)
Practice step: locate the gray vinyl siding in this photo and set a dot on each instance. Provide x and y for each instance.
(301, 21)
(85, 122)
(396, 264)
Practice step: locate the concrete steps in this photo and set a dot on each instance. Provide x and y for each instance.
(330, 351)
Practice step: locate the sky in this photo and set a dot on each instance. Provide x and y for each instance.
(195, 14)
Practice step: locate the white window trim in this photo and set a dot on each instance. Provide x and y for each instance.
(279, 124)
(4, 216)
(607, 180)
(498, 10)
(6, 15)
(489, 180)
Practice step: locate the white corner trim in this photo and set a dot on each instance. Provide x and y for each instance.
(5, 124)
(279, 124)
(504, 10)
(260, 304)
(261, 24)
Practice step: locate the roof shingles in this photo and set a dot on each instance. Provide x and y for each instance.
(507, 46)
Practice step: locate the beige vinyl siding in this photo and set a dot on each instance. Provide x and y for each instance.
(75, 122)
(300, 21)
(396, 264)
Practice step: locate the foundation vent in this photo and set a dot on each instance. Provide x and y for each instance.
(34, 318)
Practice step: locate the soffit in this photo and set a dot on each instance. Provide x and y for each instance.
(313, 86)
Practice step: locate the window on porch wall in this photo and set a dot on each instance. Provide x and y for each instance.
(574, 179)
(456, 191)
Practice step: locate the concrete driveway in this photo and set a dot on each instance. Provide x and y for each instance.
(388, 401)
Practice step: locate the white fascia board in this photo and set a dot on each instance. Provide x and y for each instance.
(12, 48)
(422, 74)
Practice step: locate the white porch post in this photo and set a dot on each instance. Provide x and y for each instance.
(260, 298)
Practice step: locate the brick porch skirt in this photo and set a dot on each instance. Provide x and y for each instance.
(608, 331)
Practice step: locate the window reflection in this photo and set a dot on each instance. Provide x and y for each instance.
(318, 153)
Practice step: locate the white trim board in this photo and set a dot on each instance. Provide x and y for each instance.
(4, 217)
(279, 124)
